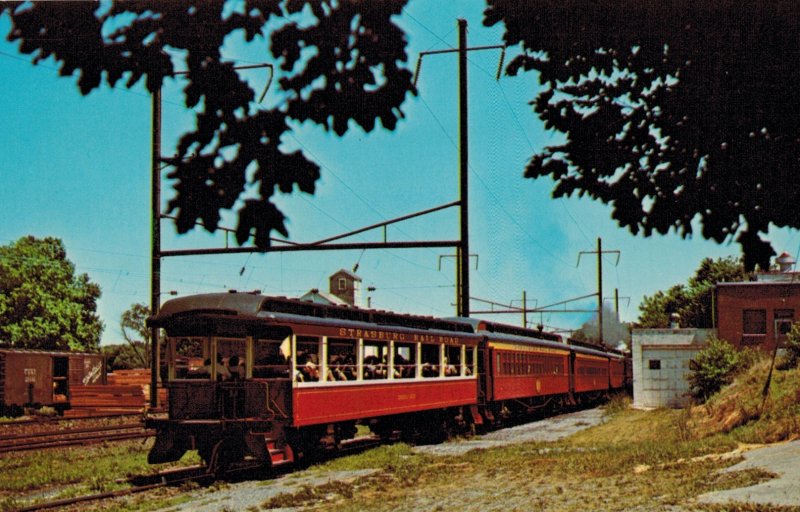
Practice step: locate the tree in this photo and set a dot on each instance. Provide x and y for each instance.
(43, 303)
(674, 113)
(134, 329)
(693, 302)
(124, 356)
(340, 61)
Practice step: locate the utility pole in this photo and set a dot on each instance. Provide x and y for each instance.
(599, 253)
(524, 308)
(616, 299)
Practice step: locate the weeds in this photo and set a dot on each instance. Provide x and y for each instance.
(619, 402)
(309, 494)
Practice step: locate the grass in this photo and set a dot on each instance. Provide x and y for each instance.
(36, 476)
(743, 412)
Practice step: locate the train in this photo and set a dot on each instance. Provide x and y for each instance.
(38, 378)
(273, 380)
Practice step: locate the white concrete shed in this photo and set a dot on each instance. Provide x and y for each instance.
(661, 365)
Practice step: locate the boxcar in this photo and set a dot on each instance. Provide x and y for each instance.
(36, 378)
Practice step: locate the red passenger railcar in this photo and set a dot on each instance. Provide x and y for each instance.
(616, 362)
(590, 371)
(522, 370)
(269, 378)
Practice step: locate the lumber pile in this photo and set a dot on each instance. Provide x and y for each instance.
(107, 398)
(138, 377)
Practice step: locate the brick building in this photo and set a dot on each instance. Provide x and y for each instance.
(759, 313)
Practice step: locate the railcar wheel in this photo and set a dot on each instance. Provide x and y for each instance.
(382, 429)
(424, 428)
(218, 456)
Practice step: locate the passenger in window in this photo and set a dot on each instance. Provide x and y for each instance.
(429, 370)
(309, 369)
(235, 368)
(449, 369)
(335, 369)
(222, 371)
(371, 367)
(349, 368)
(401, 367)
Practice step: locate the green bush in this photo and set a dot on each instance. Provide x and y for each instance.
(714, 367)
(793, 346)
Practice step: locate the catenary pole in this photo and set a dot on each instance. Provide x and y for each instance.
(600, 289)
(463, 146)
(155, 260)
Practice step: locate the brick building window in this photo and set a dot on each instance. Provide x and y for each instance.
(754, 321)
(654, 364)
(342, 284)
(783, 322)
(754, 326)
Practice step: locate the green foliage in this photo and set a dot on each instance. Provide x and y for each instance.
(43, 303)
(133, 324)
(667, 114)
(693, 302)
(743, 411)
(124, 356)
(713, 367)
(792, 345)
(336, 64)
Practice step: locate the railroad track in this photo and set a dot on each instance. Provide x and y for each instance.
(199, 473)
(71, 437)
(162, 479)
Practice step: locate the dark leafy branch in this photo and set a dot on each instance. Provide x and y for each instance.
(341, 61)
(680, 115)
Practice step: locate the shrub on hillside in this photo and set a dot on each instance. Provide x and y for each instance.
(792, 345)
(714, 367)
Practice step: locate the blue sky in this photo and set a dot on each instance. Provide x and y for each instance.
(78, 168)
